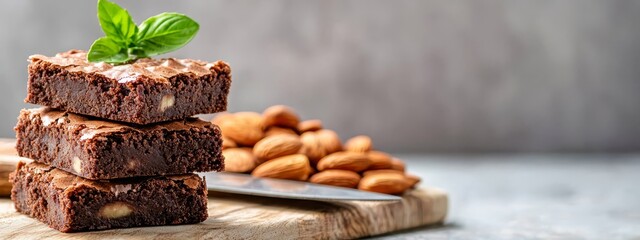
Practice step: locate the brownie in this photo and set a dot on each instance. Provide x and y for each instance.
(70, 203)
(145, 91)
(98, 149)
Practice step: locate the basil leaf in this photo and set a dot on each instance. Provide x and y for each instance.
(116, 22)
(165, 32)
(125, 42)
(106, 49)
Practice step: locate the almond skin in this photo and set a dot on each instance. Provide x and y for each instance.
(276, 146)
(379, 171)
(293, 167)
(245, 128)
(309, 125)
(360, 143)
(379, 160)
(312, 147)
(222, 117)
(279, 130)
(336, 177)
(329, 140)
(228, 143)
(389, 183)
(280, 115)
(311, 169)
(239, 160)
(351, 161)
(397, 164)
(412, 180)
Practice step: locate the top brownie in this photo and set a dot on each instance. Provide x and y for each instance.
(142, 92)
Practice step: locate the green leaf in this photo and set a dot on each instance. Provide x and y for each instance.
(116, 22)
(106, 49)
(125, 42)
(165, 32)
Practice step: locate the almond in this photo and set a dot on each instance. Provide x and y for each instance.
(114, 210)
(245, 128)
(329, 140)
(312, 147)
(309, 125)
(379, 160)
(397, 164)
(336, 177)
(379, 171)
(239, 160)
(222, 117)
(279, 130)
(412, 180)
(360, 143)
(276, 146)
(311, 170)
(228, 143)
(280, 115)
(352, 161)
(293, 167)
(389, 183)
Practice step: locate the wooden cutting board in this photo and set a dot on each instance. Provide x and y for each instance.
(245, 217)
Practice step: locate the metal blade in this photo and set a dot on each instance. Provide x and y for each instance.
(279, 188)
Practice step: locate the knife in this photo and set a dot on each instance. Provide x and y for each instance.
(278, 188)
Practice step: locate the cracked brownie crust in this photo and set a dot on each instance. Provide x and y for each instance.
(97, 149)
(143, 92)
(69, 203)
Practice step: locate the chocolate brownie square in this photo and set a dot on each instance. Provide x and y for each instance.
(145, 91)
(70, 203)
(97, 149)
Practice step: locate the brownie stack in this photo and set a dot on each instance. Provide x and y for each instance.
(116, 146)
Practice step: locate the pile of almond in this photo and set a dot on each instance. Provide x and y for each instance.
(277, 144)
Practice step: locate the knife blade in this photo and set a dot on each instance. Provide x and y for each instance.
(279, 188)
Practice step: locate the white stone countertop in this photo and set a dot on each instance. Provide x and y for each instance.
(561, 196)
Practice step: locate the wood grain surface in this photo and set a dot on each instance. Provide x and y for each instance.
(8, 160)
(242, 217)
(247, 217)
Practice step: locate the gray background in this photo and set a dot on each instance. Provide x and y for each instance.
(418, 76)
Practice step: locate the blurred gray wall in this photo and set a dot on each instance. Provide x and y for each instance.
(417, 76)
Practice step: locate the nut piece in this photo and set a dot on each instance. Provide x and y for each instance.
(278, 130)
(397, 164)
(294, 167)
(360, 143)
(167, 101)
(336, 177)
(276, 146)
(133, 163)
(280, 115)
(309, 125)
(379, 160)
(329, 140)
(228, 143)
(351, 161)
(245, 128)
(239, 160)
(389, 183)
(76, 164)
(312, 147)
(115, 210)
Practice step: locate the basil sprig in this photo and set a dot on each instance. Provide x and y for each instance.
(124, 41)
